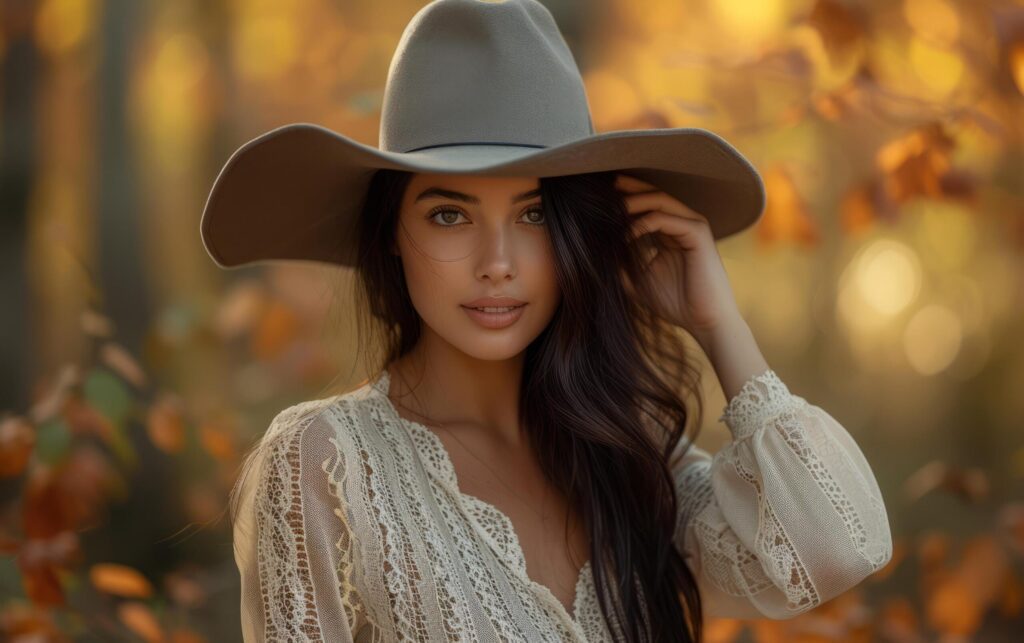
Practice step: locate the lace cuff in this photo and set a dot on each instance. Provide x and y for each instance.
(761, 398)
(785, 520)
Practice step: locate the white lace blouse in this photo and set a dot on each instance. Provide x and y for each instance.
(350, 526)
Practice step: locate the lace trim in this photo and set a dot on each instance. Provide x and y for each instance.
(794, 432)
(351, 599)
(693, 489)
(726, 561)
(494, 526)
(782, 556)
(760, 398)
(289, 602)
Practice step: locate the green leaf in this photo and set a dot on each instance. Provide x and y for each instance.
(53, 441)
(108, 394)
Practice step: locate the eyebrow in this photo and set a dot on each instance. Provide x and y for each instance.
(468, 198)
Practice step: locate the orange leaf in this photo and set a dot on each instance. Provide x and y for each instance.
(899, 620)
(722, 630)
(952, 609)
(139, 618)
(120, 580)
(275, 330)
(983, 567)
(914, 165)
(859, 209)
(961, 600)
(217, 441)
(1016, 60)
(165, 425)
(786, 217)
(186, 636)
(840, 27)
(1011, 596)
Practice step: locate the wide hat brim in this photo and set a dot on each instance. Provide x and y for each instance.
(295, 192)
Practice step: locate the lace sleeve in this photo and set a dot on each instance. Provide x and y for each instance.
(783, 518)
(290, 539)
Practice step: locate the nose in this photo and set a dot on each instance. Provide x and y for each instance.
(495, 257)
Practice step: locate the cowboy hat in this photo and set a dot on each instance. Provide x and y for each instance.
(474, 87)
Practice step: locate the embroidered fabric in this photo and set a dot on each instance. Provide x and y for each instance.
(350, 526)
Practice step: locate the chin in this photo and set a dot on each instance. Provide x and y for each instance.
(489, 344)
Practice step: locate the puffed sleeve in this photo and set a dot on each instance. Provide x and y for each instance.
(290, 538)
(786, 516)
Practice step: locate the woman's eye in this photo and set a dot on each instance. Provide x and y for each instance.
(538, 211)
(450, 218)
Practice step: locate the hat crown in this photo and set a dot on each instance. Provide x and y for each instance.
(474, 72)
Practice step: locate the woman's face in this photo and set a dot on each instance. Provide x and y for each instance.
(466, 237)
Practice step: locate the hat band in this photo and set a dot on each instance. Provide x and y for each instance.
(428, 147)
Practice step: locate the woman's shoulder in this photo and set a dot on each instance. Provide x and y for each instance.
(340, 415)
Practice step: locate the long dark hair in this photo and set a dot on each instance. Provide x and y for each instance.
(602, 391)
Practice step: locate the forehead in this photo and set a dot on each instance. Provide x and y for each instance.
(486, 187)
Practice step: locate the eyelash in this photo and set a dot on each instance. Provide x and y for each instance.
(446, 208)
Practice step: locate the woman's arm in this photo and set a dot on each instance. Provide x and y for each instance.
(786, 516)
(291, 541)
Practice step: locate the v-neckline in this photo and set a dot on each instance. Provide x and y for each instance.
(445, 471)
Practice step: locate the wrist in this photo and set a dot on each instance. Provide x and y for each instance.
(714, 339)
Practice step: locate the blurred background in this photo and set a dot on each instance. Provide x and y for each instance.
(885, 282)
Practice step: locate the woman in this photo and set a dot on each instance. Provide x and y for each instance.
(515, 468)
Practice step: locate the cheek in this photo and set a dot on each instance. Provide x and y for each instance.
(430, 283)
(542, 271)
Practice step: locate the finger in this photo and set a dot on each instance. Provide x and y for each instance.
(676, 227)
(649, 201)
(632, 184)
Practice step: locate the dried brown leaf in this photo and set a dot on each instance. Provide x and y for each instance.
(96, 324)
(51, 401)
(17, 439)
(240, 309)
(121, 362)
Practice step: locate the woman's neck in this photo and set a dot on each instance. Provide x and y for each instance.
(436, 387)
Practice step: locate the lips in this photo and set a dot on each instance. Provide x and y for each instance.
(494, 302)
(493, 309)
(495, 320)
